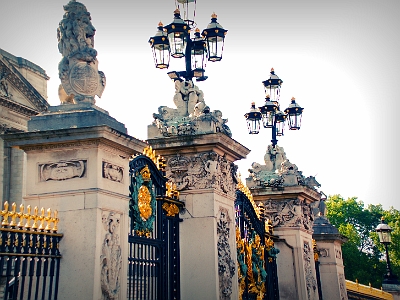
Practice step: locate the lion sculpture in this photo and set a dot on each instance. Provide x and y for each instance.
(78, 69)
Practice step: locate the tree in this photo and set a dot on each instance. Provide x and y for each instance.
(363, 255)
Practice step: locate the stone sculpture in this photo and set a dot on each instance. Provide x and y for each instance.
(278, 172)
(191, 115)
(4, 85)
(78, 69)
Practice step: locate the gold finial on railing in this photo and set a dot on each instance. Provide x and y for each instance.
(41, 222)
(159, 161)
(5, 213)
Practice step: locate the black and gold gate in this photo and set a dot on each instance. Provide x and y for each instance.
(256, 254)
(153, 269)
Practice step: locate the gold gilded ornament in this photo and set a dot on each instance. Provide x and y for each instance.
(171, 209)
(144, 199)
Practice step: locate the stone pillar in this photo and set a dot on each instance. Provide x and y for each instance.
(329, 244)
(289, 209)
(202, 168)
(83, 172)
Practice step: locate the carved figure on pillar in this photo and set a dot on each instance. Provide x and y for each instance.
(78, 69)
(4, 85)
(191, 115)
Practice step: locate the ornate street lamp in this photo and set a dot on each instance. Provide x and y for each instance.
(270, 113)
(385, 238)
(160, 46)
(180, 44)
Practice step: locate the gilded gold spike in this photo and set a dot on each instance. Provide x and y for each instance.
(49, 220)
(21, 216)
(35, 218)
(5, 214)
(55, 220)
(42, 219)
(13, 215)
(28, 217)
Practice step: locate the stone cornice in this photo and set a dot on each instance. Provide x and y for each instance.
(20, 83)
(218, 142)
(75, 137)
(283, 193)
(17, 107)
(327, 237)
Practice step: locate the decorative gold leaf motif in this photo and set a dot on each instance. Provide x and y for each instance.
(144, 199)
(171, 209)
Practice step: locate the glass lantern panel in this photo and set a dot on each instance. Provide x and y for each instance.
(178, 45)
(274, 92)
(385, 237)
(253, 126)
(215, 48)
(279, 128)
(269, 119)
(161, 56)
(294, 122)
(198, 60)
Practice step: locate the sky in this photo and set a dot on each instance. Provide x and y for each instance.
(339, 59)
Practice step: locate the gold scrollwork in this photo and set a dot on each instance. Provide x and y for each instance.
(171, 209)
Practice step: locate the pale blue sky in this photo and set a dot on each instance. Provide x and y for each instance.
(338, 58)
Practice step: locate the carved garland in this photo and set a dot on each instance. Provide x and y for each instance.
(111, 258)
(226, 265)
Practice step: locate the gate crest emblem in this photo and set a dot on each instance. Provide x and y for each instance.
(143, 202)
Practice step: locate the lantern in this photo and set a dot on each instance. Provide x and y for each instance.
(294, 112)
(160, 46)
(280, 119)
(268, 112)
(384, 232)
(198, 53)
(272, 86)
(253, 119)
(177, 32)
(215, 36)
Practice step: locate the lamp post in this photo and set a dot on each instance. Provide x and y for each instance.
(176, 40)
(270, 113)
(385, 238)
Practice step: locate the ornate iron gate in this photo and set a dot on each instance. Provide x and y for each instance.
(29, 254)
(153, 269)
(256, 255)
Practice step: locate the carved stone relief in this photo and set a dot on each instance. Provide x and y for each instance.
(342, 287)
(338, 253)
(311, 283)
(226, 265)
(113, 172)
(289, 213)
(62, 170)
(201, 171)
(111, 258)
(323, 252)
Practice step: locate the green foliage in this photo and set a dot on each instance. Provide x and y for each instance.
(363, 255)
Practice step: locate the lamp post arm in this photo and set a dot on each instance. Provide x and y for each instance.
(188, 57)
(274, 140)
